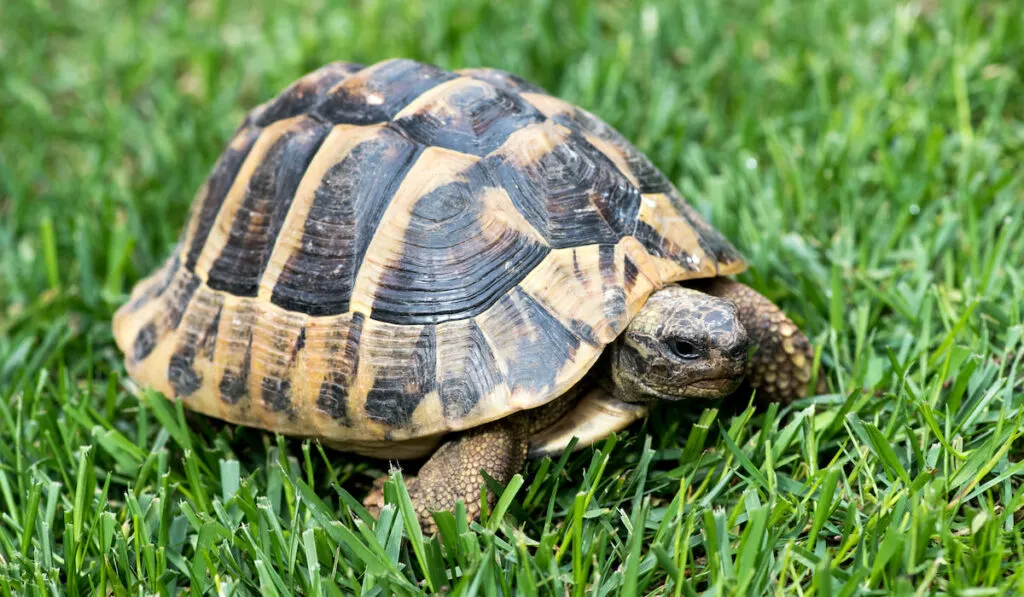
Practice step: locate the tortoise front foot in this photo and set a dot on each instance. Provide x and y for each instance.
(374, 501)
(781, 366)
(453, 473)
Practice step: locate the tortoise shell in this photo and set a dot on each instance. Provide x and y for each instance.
(396, 251)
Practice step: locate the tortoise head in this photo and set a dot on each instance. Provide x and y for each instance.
(682, 344)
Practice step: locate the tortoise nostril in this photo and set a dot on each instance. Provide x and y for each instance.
(738, 350)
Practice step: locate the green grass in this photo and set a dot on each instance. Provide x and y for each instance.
(865, 155)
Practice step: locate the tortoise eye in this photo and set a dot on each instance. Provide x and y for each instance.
(686, 350)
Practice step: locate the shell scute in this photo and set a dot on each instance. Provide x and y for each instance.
(568, 190)
(376, 93)
(267, 197)
(450, 245)
(191, 362)
(277, 381)
(588, 291)
(499, 78)
(233, 365)
(466, 115)
(537, 354)
(636, 165)
(334, 359)
(335, 219)
(210, 198)
(304, 94)
(467, 371)
(402, 380)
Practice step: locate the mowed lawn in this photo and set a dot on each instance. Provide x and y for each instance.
(866, 156)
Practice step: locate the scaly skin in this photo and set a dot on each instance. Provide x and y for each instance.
(453, 472)
(687, 342)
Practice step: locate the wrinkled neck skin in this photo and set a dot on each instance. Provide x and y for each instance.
(682, 344)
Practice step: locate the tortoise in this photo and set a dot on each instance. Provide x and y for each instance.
(403, 261)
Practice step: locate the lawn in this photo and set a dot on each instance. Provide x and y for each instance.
(864, 155)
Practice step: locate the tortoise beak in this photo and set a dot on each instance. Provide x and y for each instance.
(709, 387)
(718, 386)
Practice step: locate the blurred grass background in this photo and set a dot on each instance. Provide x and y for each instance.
(863, 154)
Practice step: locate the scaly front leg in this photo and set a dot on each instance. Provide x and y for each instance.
(453, 473)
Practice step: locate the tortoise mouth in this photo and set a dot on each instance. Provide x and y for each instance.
(716, 387)
(709, 387)
(725, 383)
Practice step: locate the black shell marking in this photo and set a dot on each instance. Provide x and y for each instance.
(660, 246)
(217, 186)
(269, 195)
(344, 362)
(572, 195)
(145, 342)
(458, 258)
(347, 207)
(377, 93)
(400, 386)
(474, 118)
(468, 372)
(277, 393)
(234, 384)
(532, 341)
(177, 298)
(302, 95)
(200, 339)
